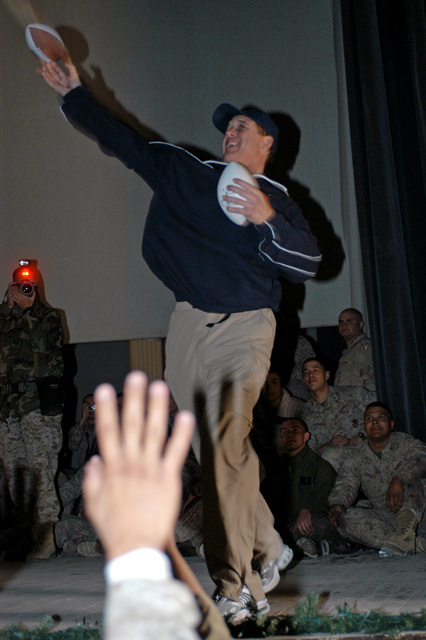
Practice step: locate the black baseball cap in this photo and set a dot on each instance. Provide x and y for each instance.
(225, 112)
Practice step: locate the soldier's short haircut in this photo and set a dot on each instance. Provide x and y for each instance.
(376, 403)
(302, 422)
(313, 359)
(357, 313)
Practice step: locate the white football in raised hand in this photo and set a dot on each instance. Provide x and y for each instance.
(45, 42)
(233, 170)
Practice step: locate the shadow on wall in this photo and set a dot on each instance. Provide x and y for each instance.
(78, 48)
(330, 244)
(331, 247)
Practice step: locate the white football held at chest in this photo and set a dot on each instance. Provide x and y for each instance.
(233, 170)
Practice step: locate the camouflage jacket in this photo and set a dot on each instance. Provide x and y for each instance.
(342, 413)
(403, 456)
(29, 339)
(356, 368)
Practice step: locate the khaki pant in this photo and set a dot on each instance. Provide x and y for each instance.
(29, 448)
(217, 372)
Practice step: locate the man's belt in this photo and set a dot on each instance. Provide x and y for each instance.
(20, 387)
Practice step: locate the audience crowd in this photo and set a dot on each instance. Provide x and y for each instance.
(334, 472)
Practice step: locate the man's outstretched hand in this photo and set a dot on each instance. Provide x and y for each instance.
(61, 81)
(133, 490)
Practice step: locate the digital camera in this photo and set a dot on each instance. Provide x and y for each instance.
(26, 278)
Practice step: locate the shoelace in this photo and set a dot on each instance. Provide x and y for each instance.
(245, 597)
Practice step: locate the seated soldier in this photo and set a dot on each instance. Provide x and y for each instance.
(74, 533)
(275, 403)
(389, 468)
(311, 480)
(334, 414)
(304, 350)
(356, 368)
(82, 436)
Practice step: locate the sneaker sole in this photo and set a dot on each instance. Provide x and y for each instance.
(285, 558)
(269, 586)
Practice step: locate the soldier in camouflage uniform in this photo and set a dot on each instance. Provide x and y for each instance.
(389, 467)
(335, 415)
(304, 350)
(356, 368)
(82, 436)
(30, 349)
(74, 534)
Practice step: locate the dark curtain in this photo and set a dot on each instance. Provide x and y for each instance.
(385, 61)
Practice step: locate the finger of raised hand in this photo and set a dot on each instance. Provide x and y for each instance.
(107, 426)
(133, 414)
(93, 482)
(155, 431)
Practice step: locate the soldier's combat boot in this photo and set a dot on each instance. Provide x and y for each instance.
(402, 541)
(44, 542)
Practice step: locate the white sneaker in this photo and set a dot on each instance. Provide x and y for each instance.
(237, 610)
(308, 546)
(270, 573)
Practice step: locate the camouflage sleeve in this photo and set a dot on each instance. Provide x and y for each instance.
(46, 335)
(347, 483)
(364, 396)
(74, 436)
(313, 441)
(412, 463)
(5, 310)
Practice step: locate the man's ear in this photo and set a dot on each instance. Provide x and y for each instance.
(267, 142)
(306, 436)
(327, 375)
(362, 324)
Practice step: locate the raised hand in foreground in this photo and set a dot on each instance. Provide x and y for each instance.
(133, 490)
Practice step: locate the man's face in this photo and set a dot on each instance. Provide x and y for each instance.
(314, 376)
(350, 326)
(378, 424)
(293, 436)
(244, 143)
(272, 389)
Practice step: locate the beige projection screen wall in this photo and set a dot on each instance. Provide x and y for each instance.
(166, 65)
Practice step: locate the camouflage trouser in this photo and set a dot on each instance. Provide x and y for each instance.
(29, 448)
(189, 526)
(372, 526)
(72, 530)
(71, 489)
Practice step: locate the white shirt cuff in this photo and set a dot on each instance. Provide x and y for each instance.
(145, 564)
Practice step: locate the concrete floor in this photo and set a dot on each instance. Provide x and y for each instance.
(72, 589)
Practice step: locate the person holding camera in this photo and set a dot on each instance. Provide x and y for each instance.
(31, 367)
(82, 436)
